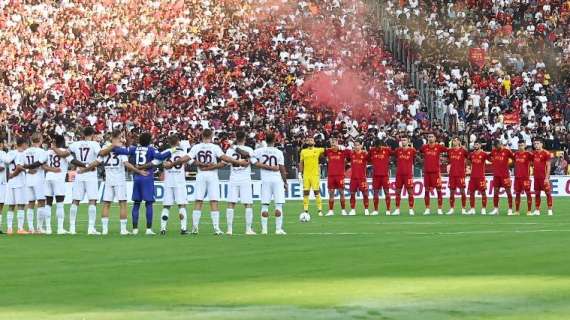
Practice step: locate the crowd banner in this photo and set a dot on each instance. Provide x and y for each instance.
(560, 187)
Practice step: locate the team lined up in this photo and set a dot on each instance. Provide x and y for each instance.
(462, 163)
(33, 177)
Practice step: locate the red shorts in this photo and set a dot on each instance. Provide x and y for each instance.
(336, 182)
(380, 182)
(358, 185)
(540, 184)
(477, 184)
(432, 180)
(404, 181)
(501, 182)
(522, 184)
(456, 183)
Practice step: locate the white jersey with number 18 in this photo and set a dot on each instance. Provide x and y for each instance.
(55, 161)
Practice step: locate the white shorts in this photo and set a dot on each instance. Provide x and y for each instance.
(110, 193)
(16, 196)
(207, 183)
(272, 189)
(240, 191)
(175, 195)
(55, 188)
(35, 193)
(2, 192)
(85, 188)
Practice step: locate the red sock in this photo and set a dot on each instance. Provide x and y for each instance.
(464, 199)
(411, 198)
(365, 199)
(452, 199)
(439, 199)
(398, 199)
(549, 200)
(331, 203)
(528, 201)
(496, 198)
(352, 201)
(343, 203)
(472, 199)
(388, 200)
(376, 200)
(484, 199)
(517, 201)
(510, 198)
(427, 200)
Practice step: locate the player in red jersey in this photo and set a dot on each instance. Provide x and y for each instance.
(336, 159)
(358, 162)
(542, 176)
(500, 157)
(405, 156)
(522, 159)
(432, 177)
(457, 156)
(477, 181)
(379, 156)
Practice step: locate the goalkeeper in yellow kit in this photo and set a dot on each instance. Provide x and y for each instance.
(309, 174)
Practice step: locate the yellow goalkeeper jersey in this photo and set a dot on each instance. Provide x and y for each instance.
(310, 157)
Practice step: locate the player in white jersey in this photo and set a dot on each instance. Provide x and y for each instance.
(85, 184)
(115, 182)
(207, 155)
(175, 191)
(16, 187)
(36, 157)
(241, 186)
(56, 171)
(3, 181)
(273, 183)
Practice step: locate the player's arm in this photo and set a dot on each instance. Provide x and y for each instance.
(106, 150)
(62, 153)
(90, 167)
(243, 153)
(283, 171)
(301, 166)
(19, 169)
(266, 166)
(241, 162)
(122, 151)
(134, 169)
(50, 169)
(548, 167)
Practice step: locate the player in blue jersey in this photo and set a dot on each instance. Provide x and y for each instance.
(145, 158)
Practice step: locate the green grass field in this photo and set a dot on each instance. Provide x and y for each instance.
(434, 267)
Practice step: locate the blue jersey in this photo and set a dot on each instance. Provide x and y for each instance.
(143, 187)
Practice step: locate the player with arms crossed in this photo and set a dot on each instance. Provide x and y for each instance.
(542, 166)
(500, 157)
(336, 159)
(405, 157)
(16, 188)
(358, 162)
(477, 181)
(273, 182)
(36, 157)
(523, 160)
(432, 177)
(207, 156)
(310, 169)
(241, 186)
(56, 171)
(379, 156)
(145, 157)
(175, 185)
(457, 156)
(115, 182)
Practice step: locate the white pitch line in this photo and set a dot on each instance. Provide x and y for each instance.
(433, 233)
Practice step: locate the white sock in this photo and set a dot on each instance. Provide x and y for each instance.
(230, 218)
(21, 218)
(40, 217)
(215, 219)
(47, 217)
(72, 217)
(1, 220)
(92, 213)
(164, 218)
(9, 219)
(183, 219)
(60, 214)
(279, 222)
(248, 218)
(30, 218)
(105, 224)
(196, 214)
(123, 225)
(264, 223)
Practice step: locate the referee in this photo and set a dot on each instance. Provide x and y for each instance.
(309, 174)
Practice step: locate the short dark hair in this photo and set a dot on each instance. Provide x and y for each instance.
(145, 139)
(173, 139)
(88, 131)
(116, 134)
(36, 137)
(59, 141)
(270, 137)
(207, 134)
(240, 136)
(21, 140)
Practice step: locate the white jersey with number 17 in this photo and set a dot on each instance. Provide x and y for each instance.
(85, 152)
(270, 156)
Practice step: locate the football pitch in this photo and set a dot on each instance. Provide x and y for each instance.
(433, 267)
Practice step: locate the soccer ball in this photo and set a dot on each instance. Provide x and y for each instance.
(304, 217)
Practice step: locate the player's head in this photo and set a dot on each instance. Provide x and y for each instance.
(404, 142)
(522, 145)
(270, 138)
(456, 142)
(538, 144)
(431, 138)
(477, 145)
(310, 141)
(173, 140)
(145, 139)
(240, 137)
(36, 138)
(207, 135)
(58, 141)
(498, 144)
(88, 132)
(379, 143)
(357, 145)
(116, 136)
(21, 142)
